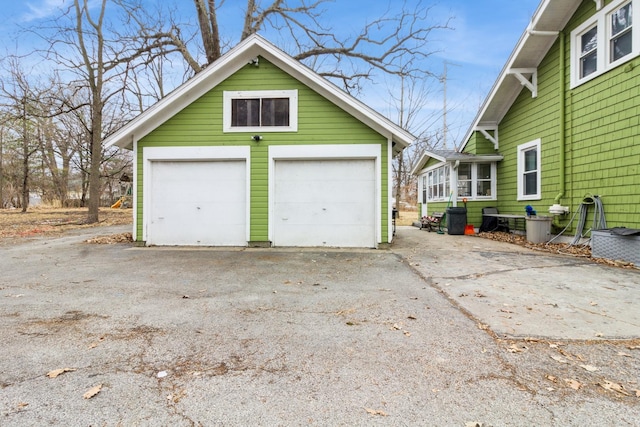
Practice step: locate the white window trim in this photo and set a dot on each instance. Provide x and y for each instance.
(293, 110)
(521, 149)
(446, 195)
(601, 19)
(474, 182)
(453, 183)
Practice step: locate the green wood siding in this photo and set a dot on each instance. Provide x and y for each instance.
(602, 143)
(319, 122)
(478, 144)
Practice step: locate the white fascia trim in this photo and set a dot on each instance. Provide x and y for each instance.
(326, 152)
(532, 84)
(156, 154)
(389, 192)
(228, 96)
(134, 193)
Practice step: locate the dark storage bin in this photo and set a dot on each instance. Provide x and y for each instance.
(456, 220)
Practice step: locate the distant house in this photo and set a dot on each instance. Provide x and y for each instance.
(258, 149)
(560, 125)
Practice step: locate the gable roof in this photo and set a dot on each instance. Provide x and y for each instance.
(231, 62)
(453, 156)
(549, 19)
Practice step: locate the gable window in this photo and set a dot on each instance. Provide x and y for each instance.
(529, 171)
(604, 42)
(260, 111)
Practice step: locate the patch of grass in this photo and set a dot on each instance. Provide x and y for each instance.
(47, 221)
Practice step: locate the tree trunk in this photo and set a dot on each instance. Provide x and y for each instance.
(95, 189)
(1, 168)
(25, 159)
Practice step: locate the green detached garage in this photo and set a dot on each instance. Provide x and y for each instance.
(259, 150)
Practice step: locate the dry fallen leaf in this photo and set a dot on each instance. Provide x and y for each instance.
(376, 412)
(559, 359)
(637, 392)
(56, 372)
(482, 326)
(611, 386)
(573, 383)
(552, 378)
(92, 391)
(515, 348)
(589, 368)
(622, 353)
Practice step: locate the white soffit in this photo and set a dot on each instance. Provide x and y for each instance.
(534, 44)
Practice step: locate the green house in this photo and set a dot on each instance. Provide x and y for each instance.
(560, 126)
(259, 150)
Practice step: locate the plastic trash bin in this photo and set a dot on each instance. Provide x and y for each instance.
(456, 220)
(538, 229)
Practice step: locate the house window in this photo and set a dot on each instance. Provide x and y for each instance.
(604, 42)
(260, 111)
(529, 171)
(475, 180)
(484, 181)
(438, 187)
(464, 180)
(589, 54)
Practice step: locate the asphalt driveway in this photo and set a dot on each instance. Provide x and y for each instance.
(169, 336)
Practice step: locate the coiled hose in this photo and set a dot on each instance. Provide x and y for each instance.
(599, 220)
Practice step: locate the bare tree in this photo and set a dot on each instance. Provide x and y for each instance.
(394, 44)
(86, 45)
(21, 102)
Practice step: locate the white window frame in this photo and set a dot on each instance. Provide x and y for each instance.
(602, 19)
(228, 96)
(474, 182)
(475, 179)
(446, 184)
(522, 148)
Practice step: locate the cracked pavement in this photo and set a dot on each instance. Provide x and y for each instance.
(439, 330)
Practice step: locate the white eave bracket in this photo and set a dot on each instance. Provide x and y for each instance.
(531, 84)
(484, 130)
(598, 4)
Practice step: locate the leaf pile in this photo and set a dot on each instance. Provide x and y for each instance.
(555, 248)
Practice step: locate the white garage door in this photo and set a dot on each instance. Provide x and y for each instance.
(197, 203)
(324, 203)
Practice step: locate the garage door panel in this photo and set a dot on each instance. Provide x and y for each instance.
(324, 203)
(197, 203)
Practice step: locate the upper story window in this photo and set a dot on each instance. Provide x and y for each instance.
(529, 176)
(604, 42)
(263, 111)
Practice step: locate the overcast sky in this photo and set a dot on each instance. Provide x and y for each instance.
(484, 34)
